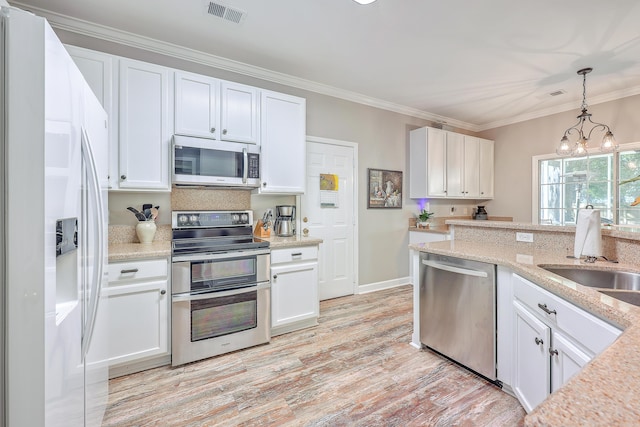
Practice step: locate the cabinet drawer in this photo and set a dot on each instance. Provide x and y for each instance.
(136, 270)
(300, 253)
(593, 333)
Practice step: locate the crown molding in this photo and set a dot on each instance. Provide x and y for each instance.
(90, 29)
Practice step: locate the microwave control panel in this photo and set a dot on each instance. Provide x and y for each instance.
(254, 165)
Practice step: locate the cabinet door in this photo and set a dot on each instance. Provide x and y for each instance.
(294, 293)
(239, 113)
(455, 165)
(567, 362)
(531, 370)
(283, 145)
(471, 185)
(437, 180)
(197, 105)
(97, 70)
(138, 320)
(486, 168)
(145, 126)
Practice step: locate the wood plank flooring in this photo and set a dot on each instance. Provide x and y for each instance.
(355, 369)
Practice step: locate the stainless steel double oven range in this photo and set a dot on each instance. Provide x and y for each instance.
(221, 295)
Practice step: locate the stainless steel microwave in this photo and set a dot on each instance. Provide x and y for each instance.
(199, 161)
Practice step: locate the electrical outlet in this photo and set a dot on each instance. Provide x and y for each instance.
(524, 237)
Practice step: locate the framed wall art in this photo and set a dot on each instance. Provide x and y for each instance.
(385, 188)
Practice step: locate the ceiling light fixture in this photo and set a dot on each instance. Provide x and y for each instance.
(580, 147)
(364, 1)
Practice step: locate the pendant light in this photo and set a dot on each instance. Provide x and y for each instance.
(580, 147)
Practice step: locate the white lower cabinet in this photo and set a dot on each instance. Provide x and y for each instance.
(552, 340)
(294, 289)
(139, 315)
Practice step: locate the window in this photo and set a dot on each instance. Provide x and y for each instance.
(609, 182)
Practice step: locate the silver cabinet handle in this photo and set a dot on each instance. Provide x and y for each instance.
(544, 308)
(275, 276)
(224, 131)
(264, 184)
(296, 254)
(553, 352)
(162, 292)
(539, 341)
(123, 177)
(213, 130)
(131, 270)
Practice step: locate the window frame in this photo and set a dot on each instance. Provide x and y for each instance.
(535, 178)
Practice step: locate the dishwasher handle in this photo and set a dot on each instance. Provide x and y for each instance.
(453, 269)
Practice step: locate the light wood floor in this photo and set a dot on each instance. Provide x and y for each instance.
(355, 369)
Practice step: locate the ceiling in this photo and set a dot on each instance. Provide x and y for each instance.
(471, 64)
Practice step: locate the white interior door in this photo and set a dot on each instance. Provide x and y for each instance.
(337, 265)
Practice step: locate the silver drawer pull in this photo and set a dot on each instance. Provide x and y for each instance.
(296, 254)
(544, 308)
(131, 270)
(553, 352)
(539, 341)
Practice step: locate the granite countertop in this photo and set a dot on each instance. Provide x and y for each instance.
(131, 251)
(162, 248)
(439, 229)
(276, 242)
(605, 392)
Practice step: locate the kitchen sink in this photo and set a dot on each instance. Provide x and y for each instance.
(631, 297)
(604, 279)
(621, 285)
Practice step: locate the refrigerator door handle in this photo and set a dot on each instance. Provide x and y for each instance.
(96, 287)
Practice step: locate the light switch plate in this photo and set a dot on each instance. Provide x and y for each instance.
(524, 237)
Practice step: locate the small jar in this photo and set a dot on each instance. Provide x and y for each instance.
(146, 230)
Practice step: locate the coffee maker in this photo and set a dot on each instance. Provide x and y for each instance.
(285, 224)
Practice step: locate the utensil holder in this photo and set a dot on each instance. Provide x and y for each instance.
(146, 230)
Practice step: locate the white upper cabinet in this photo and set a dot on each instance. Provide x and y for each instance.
(197, 105)
(146, 125)
(486, 168)
(239, 113)
(97, 68)
(283, 145)
(449, 165)
(428, 163)
(215, 109)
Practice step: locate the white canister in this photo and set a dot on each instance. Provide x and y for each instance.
(146, 230)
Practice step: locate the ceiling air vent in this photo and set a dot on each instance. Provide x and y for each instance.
(225, 12)
(558, 92)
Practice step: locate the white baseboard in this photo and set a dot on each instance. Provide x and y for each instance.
(387, 284)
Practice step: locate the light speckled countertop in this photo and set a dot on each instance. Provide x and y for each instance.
(131, 251)
(162, 248)
(276, 242)
(606, 391)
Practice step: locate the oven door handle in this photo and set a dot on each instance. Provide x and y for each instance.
(209, 295)
(206, 257)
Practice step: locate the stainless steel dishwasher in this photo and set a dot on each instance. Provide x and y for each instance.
(458, 310)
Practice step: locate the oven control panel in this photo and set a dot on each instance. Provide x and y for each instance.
(209, 219)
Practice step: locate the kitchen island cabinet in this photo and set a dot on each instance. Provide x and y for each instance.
(139, 314)
(602, 389)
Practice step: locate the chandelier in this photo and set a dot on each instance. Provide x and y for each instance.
(580, 147)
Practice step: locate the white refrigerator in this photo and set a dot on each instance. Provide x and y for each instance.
(54, 220)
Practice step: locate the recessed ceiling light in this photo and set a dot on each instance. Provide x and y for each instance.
(364, 1)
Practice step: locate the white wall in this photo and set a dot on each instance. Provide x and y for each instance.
(516, 144)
